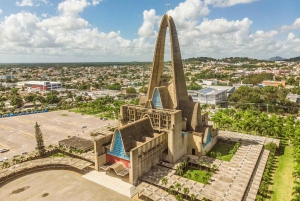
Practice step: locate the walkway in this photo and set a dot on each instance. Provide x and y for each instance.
(111, 181)
(75, 164)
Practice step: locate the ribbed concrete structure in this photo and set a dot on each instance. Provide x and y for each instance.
(177, 88)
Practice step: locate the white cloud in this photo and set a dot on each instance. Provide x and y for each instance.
(295, 25)
(44, 14)
(96, 2)
(150, 20)
(68, 18)
(68, 36)
(72, 7)
(24, 3)
(187, 14)
(227, 3)
(0, 11)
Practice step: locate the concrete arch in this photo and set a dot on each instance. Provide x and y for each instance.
(177, 89)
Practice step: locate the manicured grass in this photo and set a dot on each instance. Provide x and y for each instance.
(64, 115)
(283, 179)
(192, 173)
(224, 149)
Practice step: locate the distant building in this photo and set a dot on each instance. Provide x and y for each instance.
(273, 83)
(293, 98)
(239, 85)
(209, 96)
(6, 77)
(43, 85)
(210, 82)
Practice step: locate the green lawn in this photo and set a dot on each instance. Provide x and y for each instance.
(94, 113)
(192, 173)
(283, 179)
(224, 149)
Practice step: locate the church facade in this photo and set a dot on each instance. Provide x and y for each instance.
(166, 124)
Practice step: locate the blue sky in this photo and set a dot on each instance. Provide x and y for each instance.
(125, 30)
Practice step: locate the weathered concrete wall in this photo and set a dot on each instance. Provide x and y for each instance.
(177, 144)
(142, 158)
(100, 150)
(195, 142)
(213, 140)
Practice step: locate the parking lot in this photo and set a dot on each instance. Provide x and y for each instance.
(18, 133)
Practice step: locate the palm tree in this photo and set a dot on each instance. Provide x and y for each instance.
(184, 163)
(179, 197)
(164, 181)
(179, 171)
(178, 187)
(186, 191)
(193, 197)
(171, 189)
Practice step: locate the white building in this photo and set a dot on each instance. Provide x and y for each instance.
(43, 85)
(209, 96)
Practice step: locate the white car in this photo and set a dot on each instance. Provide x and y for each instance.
(5, 159)
(1, 160)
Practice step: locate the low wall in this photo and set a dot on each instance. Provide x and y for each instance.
(15, 175)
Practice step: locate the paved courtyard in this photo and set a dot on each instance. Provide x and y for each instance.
(18, 133)
(57, 185)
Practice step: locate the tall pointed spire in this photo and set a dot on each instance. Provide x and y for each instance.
(39, 139)
(177, 89)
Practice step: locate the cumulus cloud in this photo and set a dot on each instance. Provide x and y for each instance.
(68, 35)
(227, 3)
(150, 20)
(68, 18)
(295, 25)
(96, 2)
(187, 14)
(24, 3)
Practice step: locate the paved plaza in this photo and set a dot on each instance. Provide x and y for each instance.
(57, 185)
(236, 180)
(18, 133)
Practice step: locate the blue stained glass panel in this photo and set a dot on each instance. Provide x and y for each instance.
(207, 138)
(156, 100)
(118, 148)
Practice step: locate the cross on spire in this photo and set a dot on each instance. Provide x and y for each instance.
(167, 5)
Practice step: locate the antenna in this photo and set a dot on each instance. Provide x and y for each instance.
(167, 5)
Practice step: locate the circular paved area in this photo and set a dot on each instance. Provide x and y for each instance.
(57, 185)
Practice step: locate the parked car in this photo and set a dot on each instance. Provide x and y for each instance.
(4, 150)
(5, 159)
(24, 153)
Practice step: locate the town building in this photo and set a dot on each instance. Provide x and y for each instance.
(209, 96)
(165, 126)
(43, 85)
(273, 83)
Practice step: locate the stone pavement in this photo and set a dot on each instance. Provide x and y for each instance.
(57, 185)
(112, 181)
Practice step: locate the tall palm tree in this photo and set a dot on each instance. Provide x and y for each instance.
(178, 187)
(186, 191)
(193, 197)
(164, 181)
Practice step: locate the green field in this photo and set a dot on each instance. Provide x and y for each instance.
(224, 149)
(190, 174)
(283, 179)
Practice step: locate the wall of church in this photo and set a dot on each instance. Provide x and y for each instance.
(194, 142)
(142, 158)
(100, 157)
(114, 159)
(177, 143)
